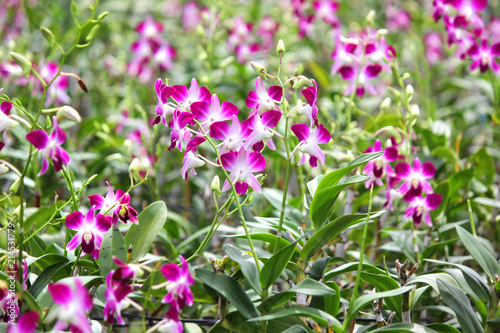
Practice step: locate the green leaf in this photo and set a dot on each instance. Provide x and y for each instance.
(42, 215)
(384, 283)
(350, 267)
(318, 315)
(364, 300)
(483, 257)
(265, 237)
(247, 265)
(445, 152)
(275, 300)
(328, 233)
(24, 63)
(484, 165)
(460, 180)
(230, 289)
(295, 329)
(459, 303)
(142, 235)
(443, 328)
(273, 268)
(405, 327)
(46, 276)
(313, 288)
(430, 250)
(444, 190)
(431, 280)
(323, 201)
(113, 244)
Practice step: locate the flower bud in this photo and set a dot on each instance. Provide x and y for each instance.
(3, 169)
(259, 69)
(215, 186)
(67, 112)
(280, 48)
(414, 110)
(23, 62)
(15, 186)
(48, 35)
(103, 15)
(370, 18)
(386, 104)
(409, 92)
(405, 76)
(301, 82)
(133, 169)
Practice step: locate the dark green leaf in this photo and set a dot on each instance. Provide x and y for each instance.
(247, 265)
(460, 180)
(459, 303)
(47, 274)
(312, 287)
(444, 190)
(273, 268)
(405, 327)
(112, 244)
(384, 283)
(484, 165)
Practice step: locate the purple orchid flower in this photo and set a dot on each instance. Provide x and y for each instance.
(119, 203)
(50, 147)
(261, 100)
(116, 293)
(192, 160)
(415, 179)
(9, 302)
(179, 132)
(163, 109)
(25, 324)
(149, 28)
(379, 167)
(346, 53)
(469, 10)
(310, 110)
(483, 56)
(233, 137)
(170, 325)
(57, 92)
(325, 10)
(178, 282)
(91, 229)
(72, 304)
(421, 207)
(242, 164)
(209, 114)
(360, 82)
(186, 96)
(260, 128)
(309, 139)
(5, 121)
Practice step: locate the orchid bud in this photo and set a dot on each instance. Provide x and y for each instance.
(386, 104)
(3, 169)
(226, 62)
(301, 82)
(23, 62)
(405, 76)
(48, 35)
(409, 92)
(67, 112)
(15, 186)
(280, 48)
(370, 18)
(414, 110)
(215, 186)
(103, 15)
(133, 169)
(259, 69)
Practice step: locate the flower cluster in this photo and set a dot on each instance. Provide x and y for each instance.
(360, 59)
(241, 143)
(152, 53)
(91, 228)
(12, 20)
(405, 181)
(6, 122)
(397, 19)
(321, 10)
(467, 30)
(246, 40)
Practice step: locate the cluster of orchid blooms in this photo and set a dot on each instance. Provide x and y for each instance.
(321, 10)
(467, 30)
(410, 183)
(239, 144)
(152, 53)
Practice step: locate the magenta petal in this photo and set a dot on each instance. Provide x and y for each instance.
(5, 107)
(204, 94)
(61, 293)
(271, 118)
(96, 200)
(256, 162)
(479, 5)
(165, 93)
(228, 110)
(185, 118)
(27, 322)
(228, 160)
(403, 169)
(433, 200)
(323, 136)
(275, 93)
(102, 223)
(391, 154)
(252, 99)
(180, 94)
(310, 94)
(74, 220)
(301, 131)
(58, 135)
(219, 130)
(171, 272)
(38, 138)
(45, 166)
(495, 50)
(200, 110)
(241, 187)
(428, 170)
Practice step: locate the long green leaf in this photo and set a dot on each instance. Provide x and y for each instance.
(459, 303)
(142, 235)
(113, 244)
(273, 268)
(384, 283)
(230, 289)
(46, 276)
(443, 189)
(247, 265)
(405, 327)
(313, 288)
(483, 257)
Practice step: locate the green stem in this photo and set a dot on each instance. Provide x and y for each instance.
(414, 240)
(471, 218)
(76, 260)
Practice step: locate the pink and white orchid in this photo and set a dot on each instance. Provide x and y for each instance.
(309, 139)
(178, 282)
(117, 204)
(192, 160)
(242, 164)
(209, 114)
(261, 100)
(421, 207)
(232, 136)
(50, 147)
(415, 179)
(186, 96)
(483, 56)
(25, 324)
(260, 128)
(91, 229)
(179, 132)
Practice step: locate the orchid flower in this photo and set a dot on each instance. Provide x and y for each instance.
(119, 203)
(261, 100)
(483, 56)
(50, 146)
(192, 160)
(308, 142)
(186, 96)
(361, 81)
(91, 229)
(232, 136)
(421, 207)
(115, 294)
(379, 167)
(25, 324)
(260, 128)
(149, 28)
(310, 110)
(178, 282)
(469, 10)
(242, 164)
(163, 109)
(415, 179)
(208, 115)
(71, 307)
(9, 302)
(57, 92)
(179, 132)
(346, 53)
(5, 121)
(325, 10)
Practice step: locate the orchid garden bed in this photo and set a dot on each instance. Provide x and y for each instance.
(249, 166)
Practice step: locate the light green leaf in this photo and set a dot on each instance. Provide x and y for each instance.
(113, 244)
(405, 327)
(313, 288)
(247, 265)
